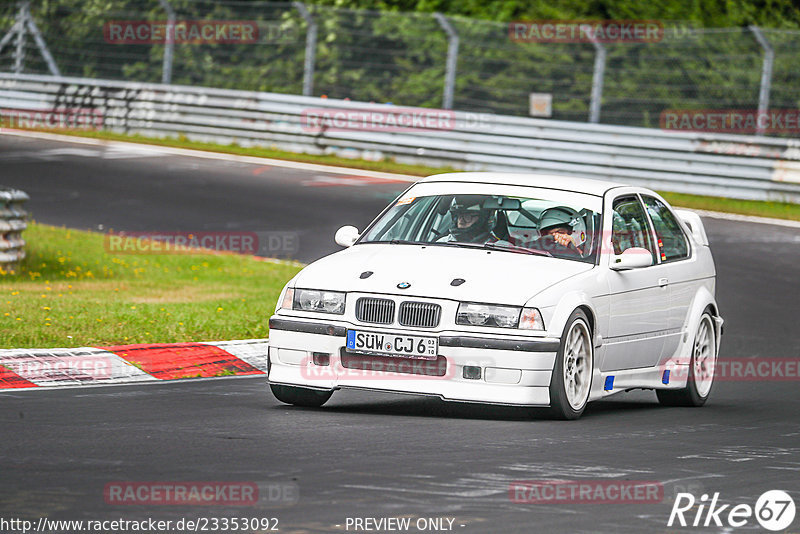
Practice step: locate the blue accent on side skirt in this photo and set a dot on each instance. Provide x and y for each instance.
(609, 383)
(665, 378)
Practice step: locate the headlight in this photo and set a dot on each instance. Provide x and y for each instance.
(499, 316)
(318, 301)
(488, 315)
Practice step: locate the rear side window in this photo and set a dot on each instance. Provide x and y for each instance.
(672, 244)
(629, 226)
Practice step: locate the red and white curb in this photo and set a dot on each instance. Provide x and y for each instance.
(32, 368)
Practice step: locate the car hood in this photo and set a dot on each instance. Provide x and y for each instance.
(490, 276)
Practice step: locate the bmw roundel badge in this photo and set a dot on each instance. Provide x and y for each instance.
(403, 285)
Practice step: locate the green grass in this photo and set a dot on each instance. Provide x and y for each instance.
(778, 210)
(70, 292)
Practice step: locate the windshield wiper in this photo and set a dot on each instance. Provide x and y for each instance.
(404, 242)
(513, 248)
(465, 244)
(458, 244)
(494, 246)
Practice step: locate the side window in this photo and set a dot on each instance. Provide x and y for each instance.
(672, 244)
(402, 221)
(629, 226)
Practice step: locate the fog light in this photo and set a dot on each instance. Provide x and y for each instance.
(321, 358)
(472, 372)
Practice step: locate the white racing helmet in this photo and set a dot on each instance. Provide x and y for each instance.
(562, 216)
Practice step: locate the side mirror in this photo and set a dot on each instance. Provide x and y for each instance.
(632, 258)
(346, 236)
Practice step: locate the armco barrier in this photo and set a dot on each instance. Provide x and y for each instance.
(739, 166)
(12, 223)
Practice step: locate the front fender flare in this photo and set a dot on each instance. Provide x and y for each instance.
(567, 304)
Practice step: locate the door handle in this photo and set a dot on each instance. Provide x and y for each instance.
(662, 282)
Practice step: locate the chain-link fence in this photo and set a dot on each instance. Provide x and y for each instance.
(407, 59)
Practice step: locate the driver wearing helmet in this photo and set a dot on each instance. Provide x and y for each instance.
(557, 224)
(471, 222)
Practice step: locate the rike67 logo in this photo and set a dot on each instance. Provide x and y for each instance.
(774, 510)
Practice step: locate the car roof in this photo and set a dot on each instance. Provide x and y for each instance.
(549, 181)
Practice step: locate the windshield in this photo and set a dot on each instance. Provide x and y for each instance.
(516, 224)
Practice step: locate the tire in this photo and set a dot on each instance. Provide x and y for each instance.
(571, 382)
(701, 369)
(297, 396)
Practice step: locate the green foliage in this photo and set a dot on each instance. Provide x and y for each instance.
(395, 51)
(708, 13)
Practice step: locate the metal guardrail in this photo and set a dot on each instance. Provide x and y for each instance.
(12, 223)
(612, 76)
(737, 166)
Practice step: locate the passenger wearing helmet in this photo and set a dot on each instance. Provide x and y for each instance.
(556, 226)
(471, 223)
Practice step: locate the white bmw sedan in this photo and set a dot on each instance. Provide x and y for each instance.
(514, 289)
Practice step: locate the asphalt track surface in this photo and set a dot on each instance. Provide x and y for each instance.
(370, 454)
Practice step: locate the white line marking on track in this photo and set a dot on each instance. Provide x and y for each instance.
(316, 167)
(333, 181)
(87, 385)
(313, 167)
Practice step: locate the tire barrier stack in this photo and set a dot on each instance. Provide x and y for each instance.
(12, 223)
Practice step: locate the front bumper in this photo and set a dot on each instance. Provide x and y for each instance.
(514, 370)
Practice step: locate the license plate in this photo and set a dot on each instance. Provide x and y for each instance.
(398, 345)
